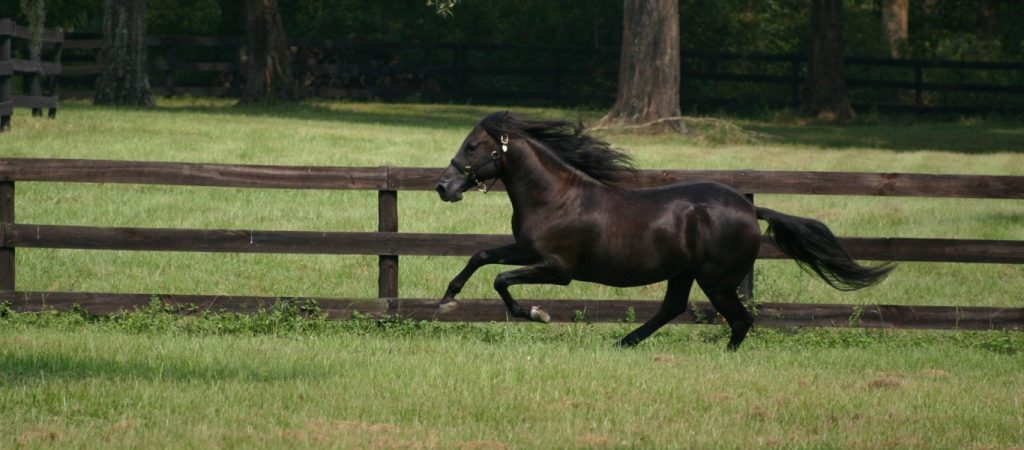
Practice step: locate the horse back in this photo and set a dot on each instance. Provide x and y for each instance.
(626, 237)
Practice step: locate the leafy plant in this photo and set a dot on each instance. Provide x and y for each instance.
(630, 315)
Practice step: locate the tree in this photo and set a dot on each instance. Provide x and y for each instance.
(649, 71)
(123, 80)
(824, 94)
(268, 71)
(894, 25)
(35, 12)
(985, 20)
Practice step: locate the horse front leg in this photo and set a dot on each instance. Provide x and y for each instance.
(509, 254)
(535, 274)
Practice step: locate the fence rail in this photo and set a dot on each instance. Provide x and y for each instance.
(388, 244)
(461, 72)
(31, 72)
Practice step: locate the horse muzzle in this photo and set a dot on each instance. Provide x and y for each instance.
(447, 194)
(451, 185)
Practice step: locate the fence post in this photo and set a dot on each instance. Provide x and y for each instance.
(918, 81)
(36, 89)
(794, 87)
(387, 265)
(58, 49)
(169, 62)
(747, 285)
(6, 96)
(6, 222)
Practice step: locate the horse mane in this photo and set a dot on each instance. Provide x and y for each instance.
(566, 140)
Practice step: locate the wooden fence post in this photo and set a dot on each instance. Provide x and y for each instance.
(918, 82)
(387, 221)
(6, 95)
(747, 285)
(794, 87)
(34, 86)
(6, 223)
(169, 63)
(58, 50)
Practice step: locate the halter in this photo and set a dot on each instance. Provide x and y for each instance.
(470, 171)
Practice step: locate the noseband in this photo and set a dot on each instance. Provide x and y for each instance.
(470, 171)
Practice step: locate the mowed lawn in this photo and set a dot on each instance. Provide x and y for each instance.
(154, 380)
(142, 383)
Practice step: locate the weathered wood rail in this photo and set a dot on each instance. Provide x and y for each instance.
(388, 244)
(32, 73)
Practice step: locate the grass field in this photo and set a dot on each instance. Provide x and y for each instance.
(149, 379)
(153, 380)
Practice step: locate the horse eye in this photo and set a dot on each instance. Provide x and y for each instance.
(471, 146)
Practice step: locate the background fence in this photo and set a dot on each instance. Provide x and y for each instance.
(31, 73)
(559, 75)
(388, 243)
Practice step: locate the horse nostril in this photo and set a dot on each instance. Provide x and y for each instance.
(441, 190)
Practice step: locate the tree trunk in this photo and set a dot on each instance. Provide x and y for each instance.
(648, 94)
(894, 25)
(35, 12)
(268, 70)
(825, 94)
(123, 80)
(985, 20)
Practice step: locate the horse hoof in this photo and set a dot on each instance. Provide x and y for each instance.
(447, 307)
(538, 314)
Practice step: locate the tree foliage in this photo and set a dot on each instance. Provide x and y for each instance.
(947, 29)
(944, 29)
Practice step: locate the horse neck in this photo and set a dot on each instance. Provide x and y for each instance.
(533, 176)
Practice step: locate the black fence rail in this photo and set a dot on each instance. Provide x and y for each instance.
(389, 244)
(563, 75)
(32, 73)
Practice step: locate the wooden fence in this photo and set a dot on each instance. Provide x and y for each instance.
(485, 72)
(388, 243)
(32, 73)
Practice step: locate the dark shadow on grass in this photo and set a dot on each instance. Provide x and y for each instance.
(30, 369)
(981, 137)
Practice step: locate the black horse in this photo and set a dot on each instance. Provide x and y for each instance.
(573, 220)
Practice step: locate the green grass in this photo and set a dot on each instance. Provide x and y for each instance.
(150, 379)
(368, 134)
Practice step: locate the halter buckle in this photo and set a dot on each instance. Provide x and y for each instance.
(504, 143)
(480, 186)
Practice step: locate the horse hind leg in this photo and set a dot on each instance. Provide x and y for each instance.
(724, 298)
(676, 297)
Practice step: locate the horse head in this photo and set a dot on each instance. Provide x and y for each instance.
(479, 159)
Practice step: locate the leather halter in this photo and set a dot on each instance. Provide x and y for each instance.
(470, 170)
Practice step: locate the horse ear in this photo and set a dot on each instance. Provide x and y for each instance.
(497, 123)
(497, 133)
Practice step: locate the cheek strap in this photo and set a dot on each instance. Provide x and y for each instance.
(470, 171)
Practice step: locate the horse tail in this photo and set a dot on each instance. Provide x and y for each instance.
(816, 249)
